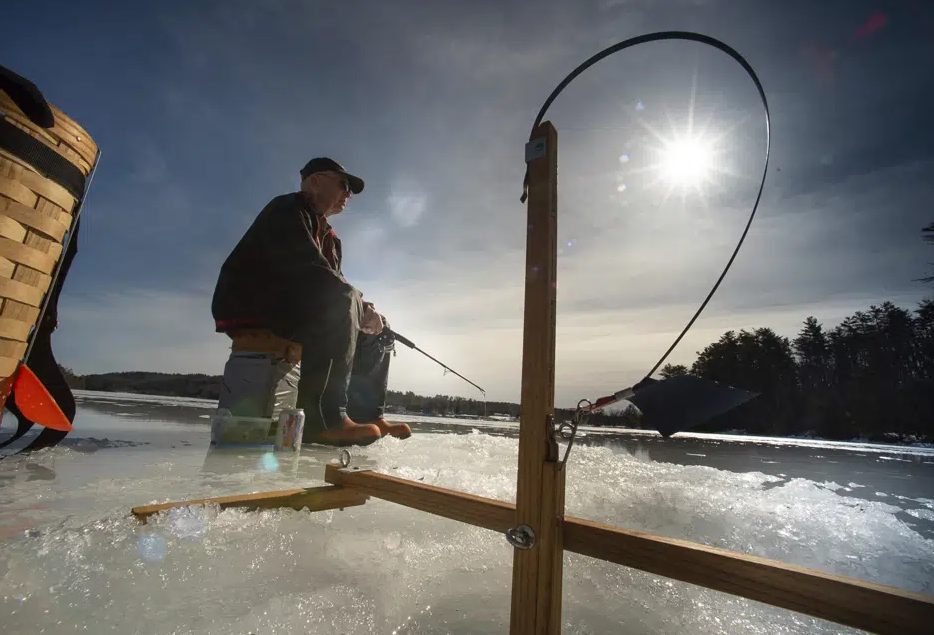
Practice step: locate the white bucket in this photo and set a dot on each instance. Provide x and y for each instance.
(245, 432)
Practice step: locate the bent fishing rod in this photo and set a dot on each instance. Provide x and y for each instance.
(388, 336)
(628, 393)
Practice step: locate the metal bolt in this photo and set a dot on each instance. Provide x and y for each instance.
(521, 537)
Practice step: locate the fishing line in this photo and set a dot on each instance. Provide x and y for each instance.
(673, 35)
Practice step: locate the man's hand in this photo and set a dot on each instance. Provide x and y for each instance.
(372, 323)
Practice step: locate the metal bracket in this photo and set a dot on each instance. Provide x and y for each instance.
(521, 537)
(551, 454)
(535, 149)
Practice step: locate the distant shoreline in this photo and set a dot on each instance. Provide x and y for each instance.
(738, 434)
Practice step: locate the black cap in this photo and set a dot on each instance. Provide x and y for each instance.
(324, 164)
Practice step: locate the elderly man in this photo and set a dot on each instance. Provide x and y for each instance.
(285, 276)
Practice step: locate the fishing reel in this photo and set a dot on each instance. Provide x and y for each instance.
(386, 341)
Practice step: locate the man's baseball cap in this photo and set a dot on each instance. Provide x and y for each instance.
(324, 164)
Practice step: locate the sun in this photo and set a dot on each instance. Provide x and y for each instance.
(687, 161)
(689, 157)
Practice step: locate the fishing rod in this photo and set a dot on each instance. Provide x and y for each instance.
(388, 336)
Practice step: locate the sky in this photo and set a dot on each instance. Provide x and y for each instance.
(205, 111)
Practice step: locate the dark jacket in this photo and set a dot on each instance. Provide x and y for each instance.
(286, 267)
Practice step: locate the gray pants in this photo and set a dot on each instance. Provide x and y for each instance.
(344, 372)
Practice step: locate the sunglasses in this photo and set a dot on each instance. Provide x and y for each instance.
(343, 183)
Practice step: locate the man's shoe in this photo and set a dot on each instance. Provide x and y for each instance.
(400, 430)
(347, 433)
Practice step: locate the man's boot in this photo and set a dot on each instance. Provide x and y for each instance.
(399, 430)
(346, 433)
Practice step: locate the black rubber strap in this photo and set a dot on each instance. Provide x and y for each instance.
(44, 159)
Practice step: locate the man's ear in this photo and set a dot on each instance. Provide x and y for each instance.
(308, 183)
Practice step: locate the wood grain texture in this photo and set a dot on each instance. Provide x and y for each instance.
(21, 292)
(551, 550)
(466, 508)
(14, 329)
(871, 607)
(533, 569)
(25, 254)
(32, 218)
(313, 498)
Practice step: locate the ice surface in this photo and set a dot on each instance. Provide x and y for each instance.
(72, 558)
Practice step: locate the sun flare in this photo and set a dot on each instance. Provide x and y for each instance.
(686, 161)
(689, 157)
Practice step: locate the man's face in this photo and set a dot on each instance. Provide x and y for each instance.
(333, 192)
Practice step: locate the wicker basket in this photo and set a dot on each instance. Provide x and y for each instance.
(35, 216)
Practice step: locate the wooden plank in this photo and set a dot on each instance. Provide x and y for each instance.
(533, 569)
(466, 508)
(551, 569)
(867, 606)
(314, 498)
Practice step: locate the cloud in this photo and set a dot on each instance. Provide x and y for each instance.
(406, 202)
(139, 329)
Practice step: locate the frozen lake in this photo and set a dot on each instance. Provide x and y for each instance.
(73, 559)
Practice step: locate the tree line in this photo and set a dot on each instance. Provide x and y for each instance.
(872, 376)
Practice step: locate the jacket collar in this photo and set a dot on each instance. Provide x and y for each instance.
(309, 207)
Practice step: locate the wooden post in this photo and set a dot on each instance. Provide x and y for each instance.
(536, 578)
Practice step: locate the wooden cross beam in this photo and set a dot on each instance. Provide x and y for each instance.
(312, 498)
